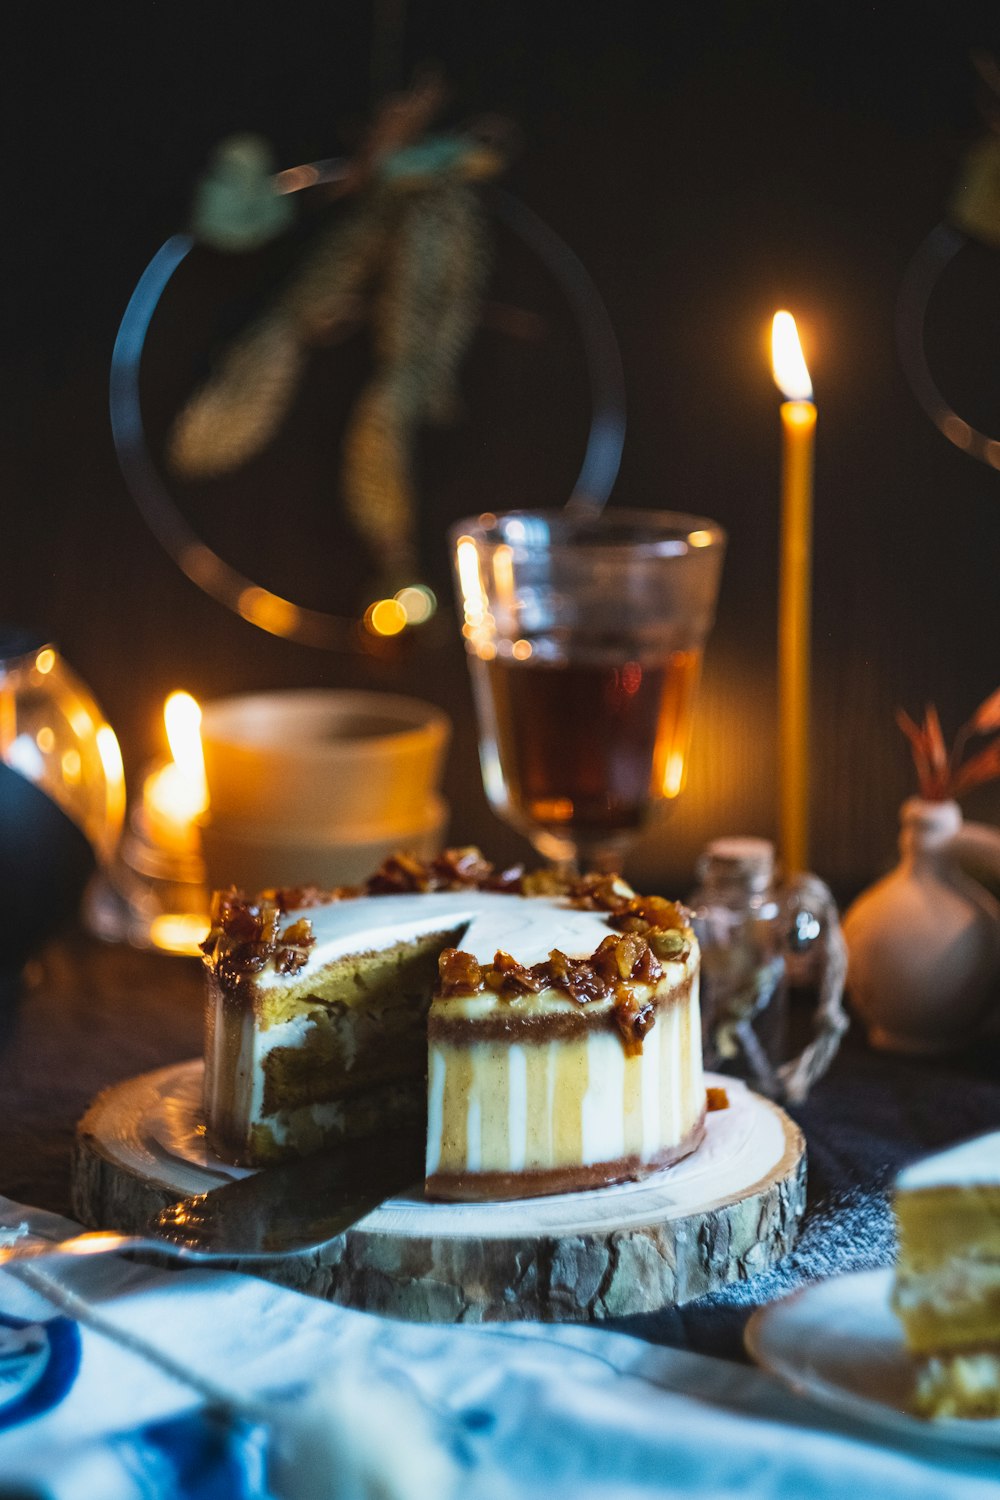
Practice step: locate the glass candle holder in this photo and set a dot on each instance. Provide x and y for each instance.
(62, 791)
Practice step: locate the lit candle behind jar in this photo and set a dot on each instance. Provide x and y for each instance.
(175, 795)
(159, 897)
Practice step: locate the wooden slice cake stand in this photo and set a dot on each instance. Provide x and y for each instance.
(724, 1214)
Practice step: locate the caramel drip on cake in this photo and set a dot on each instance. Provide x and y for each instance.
(539, 1112)
(457, 1072)
(571, 1075)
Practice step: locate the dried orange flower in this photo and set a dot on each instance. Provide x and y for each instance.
(943, 774)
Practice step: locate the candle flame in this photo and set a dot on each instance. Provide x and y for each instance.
(787, 360)
(179, 932)
(188, 789)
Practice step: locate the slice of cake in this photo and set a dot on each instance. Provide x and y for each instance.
(947, 1285)
(547, 1031)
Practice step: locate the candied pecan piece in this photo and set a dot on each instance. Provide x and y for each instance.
(659, 912)
(559, 968)
(605, 959)
(233, 964)
(647, 970)
(298, 897)
(643, 912)
(601, 893)
(585, 983)
(635, 1018)
(510, 979)
(550, 881)
(461, 867)
(459, 972)
(294, 945)
(398, 875)
(628, 950)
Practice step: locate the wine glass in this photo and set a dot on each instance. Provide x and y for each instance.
(584, 633)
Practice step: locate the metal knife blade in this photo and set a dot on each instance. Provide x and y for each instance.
(296, 1205)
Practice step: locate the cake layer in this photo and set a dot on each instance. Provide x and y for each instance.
(523, 1114)
(946, 1291)
(960, 1385)
(263, 1063)
(308, 1128)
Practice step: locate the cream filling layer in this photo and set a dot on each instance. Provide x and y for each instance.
(947, 1292)
(234, 1111)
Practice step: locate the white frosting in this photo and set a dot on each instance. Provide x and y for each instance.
(652, 1068)
(672, 1063)
(517, 1106)
(970, 1164)
(603, 1111)
(529, 928)
(435, 1109)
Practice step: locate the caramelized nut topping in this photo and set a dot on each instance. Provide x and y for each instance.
(716, 1098)
(244, 936)
(452, 870)
(293, 946)
(619, 963)
(459, 973)
(649, 931)
(634, 1016)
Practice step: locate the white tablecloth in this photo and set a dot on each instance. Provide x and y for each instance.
(124, 1380)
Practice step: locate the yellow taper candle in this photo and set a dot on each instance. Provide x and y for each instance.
(798, 427)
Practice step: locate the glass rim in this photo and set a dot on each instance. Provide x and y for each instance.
(664, 528)
(20, 645)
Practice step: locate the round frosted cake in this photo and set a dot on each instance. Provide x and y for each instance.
(544, 1031)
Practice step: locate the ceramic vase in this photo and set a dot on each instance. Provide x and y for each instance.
(924, 942)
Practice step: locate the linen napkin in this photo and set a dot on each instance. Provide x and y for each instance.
(120, 1380)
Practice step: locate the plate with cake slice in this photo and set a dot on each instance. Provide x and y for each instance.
(840, 1343)
(916, 1346)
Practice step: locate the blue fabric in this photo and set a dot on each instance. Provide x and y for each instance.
(34, 1382)
(199, 1457)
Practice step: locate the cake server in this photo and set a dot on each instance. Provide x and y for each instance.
(288, 1207)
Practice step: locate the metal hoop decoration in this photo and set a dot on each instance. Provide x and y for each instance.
(211, 573)
(924, 272)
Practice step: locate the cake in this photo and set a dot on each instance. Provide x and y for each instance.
(946, 1291)
(544, 1031)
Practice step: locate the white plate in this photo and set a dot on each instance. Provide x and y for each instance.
(840, 1343)
(176, 1122)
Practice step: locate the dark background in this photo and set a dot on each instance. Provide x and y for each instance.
(709, 163)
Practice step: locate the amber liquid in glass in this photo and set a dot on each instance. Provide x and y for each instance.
(590, 746)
